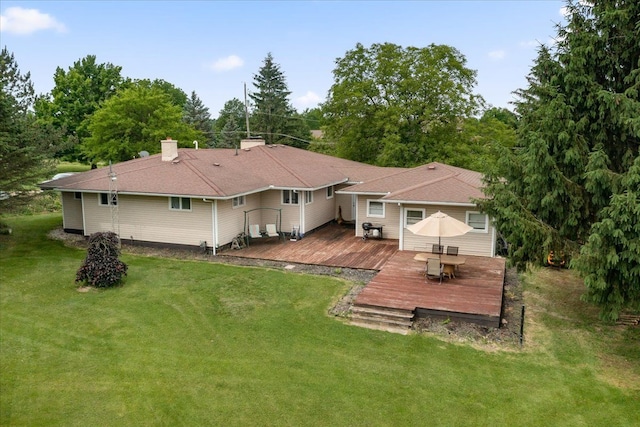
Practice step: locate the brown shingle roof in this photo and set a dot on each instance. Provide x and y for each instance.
(433, 182)
(223, 173)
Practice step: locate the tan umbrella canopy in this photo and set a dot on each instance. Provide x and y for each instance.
(439, 225)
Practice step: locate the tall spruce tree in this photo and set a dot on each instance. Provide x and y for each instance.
(232, 111)
(272, 115)
(568, 185)
(197, 115)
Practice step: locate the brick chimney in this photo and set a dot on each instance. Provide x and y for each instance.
(169, 149)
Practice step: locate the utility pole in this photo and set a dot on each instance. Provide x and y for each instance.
(246, 111)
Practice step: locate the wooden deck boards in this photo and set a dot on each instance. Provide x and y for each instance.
(475, 294)
(332, 245)
(476, 290)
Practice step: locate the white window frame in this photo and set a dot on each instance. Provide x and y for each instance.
(308, 197)
(406, 215)
(477, 230)
(292, 194)
(330, 192)
(236, 202)
(106, 196)
(369, 214)
(181, 201)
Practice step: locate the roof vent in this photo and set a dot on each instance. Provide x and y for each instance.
(216, 164)
(431, 167)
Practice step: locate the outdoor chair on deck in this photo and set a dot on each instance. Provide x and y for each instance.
(434, 269)
(271, 231)
(452, 250)
(437, 249)
(254, 231)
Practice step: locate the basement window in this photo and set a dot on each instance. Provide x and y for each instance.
(179, 203)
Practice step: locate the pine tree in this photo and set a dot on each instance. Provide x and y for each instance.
(26, 146)
(272, 115)
(197, 115)
(230, 135)
(579, 135)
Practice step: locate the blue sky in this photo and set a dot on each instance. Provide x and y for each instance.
(214, 47)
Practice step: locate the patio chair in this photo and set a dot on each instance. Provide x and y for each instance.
(434, 269)
(452, 250)
(254, 231)
(437, 249)
(271, 230)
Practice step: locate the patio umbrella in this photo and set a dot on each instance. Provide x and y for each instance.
(439, 225)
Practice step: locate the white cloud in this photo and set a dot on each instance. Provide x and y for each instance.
(564, 11)
(226, 64)
(497, 54)
(530, 43)
(310, 99)
(17, 20)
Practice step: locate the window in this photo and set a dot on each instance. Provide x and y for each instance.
(238, 201)
(289, 197)
(180, 203)
(104, 199)
(413, 216)
(308, 197)
(77, 195)
(330, 192)
(375, 209)
(479, 222)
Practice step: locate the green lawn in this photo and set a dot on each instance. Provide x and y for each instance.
(197, 343)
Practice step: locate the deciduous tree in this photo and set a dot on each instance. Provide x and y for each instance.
(77, 94)
(398, 106)
(567, 183)
(135, 120)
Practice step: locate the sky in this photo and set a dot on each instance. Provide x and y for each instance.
(216, 47)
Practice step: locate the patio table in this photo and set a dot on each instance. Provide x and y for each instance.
(449, 262)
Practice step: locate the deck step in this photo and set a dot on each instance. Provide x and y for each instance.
(382, 318)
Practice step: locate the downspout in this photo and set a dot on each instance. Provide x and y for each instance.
(401, 242)
(214, 219)
(84, 220)
(214, 224)
(493, 240)
(301, 200)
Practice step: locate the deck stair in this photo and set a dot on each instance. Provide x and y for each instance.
(382, 318)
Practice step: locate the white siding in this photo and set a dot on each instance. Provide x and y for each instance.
(344, 201)
(149, 219)
(389, 222)
(290, 213)
(472, 243)
(321, 211)
(71, 212)
(231, 221)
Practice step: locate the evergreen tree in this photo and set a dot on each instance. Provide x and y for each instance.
(272, 116)
(27, 147)
(197, 115)
(230, 135)
(232, 111)
(579, 135)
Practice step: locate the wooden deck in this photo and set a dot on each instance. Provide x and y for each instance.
(475, 294)
(332, 245)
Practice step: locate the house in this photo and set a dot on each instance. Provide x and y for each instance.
(207, 197)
